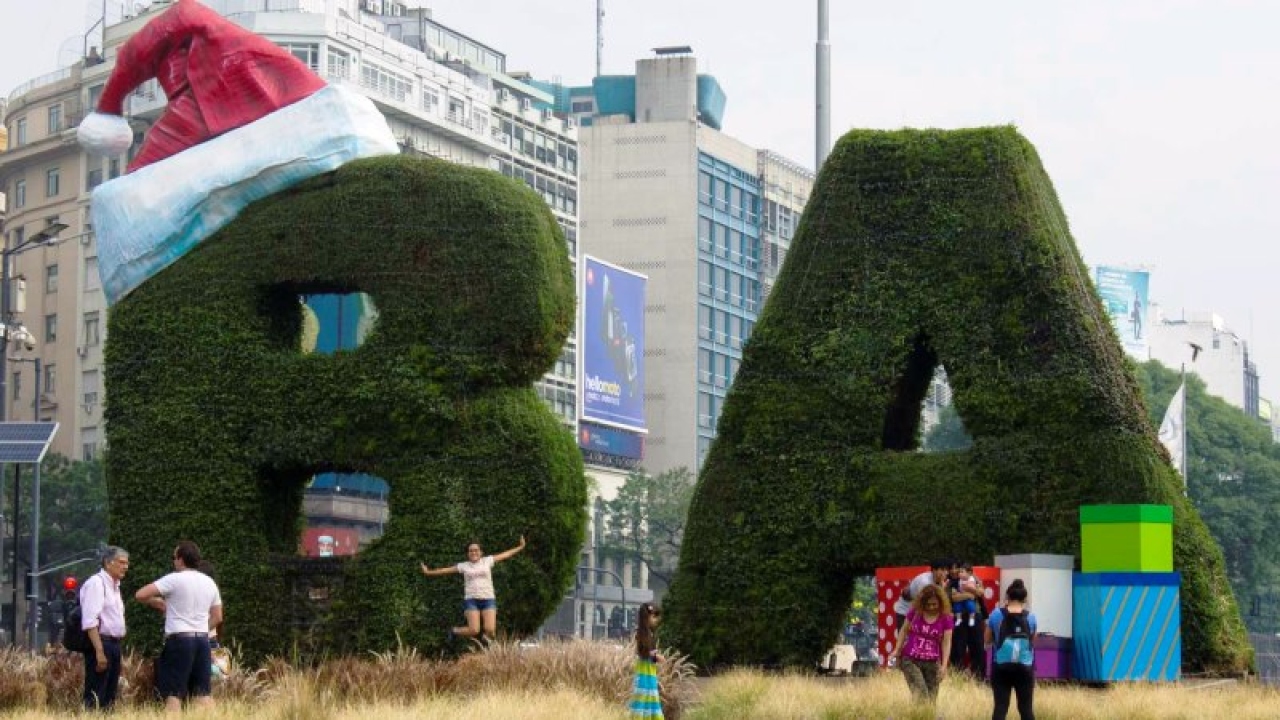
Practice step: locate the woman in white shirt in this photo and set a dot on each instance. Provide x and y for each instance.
(479, 604)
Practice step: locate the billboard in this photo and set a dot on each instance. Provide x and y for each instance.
(329, 541)
(612, 340)
(610, 441)
(1124, 297)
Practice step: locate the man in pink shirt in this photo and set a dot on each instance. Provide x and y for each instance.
(102, 619)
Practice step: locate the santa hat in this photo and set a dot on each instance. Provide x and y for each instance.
(244, 119)
(217, 77)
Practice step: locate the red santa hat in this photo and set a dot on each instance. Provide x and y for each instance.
(216, 75)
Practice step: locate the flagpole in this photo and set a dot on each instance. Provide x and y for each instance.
(1184, 429)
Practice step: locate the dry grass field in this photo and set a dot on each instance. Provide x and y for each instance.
(591, 681)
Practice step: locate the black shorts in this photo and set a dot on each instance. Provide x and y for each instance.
(185, 667)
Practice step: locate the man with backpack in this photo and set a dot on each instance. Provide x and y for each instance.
(1011, 632)
(102, 620)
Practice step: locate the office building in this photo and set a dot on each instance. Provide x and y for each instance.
(707, 218)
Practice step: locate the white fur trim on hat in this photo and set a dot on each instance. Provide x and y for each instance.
(103, 134)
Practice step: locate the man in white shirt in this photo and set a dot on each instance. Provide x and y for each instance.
(936, 575)
(102, 619)
(192, 607)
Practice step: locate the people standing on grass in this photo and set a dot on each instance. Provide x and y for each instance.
(645, 698)
(480, 603)
(923, 650)
(102, 619)
(192, 607)
(1011, 633)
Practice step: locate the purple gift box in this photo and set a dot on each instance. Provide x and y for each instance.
(1053, 658)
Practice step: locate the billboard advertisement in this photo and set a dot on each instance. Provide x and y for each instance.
(610, 441)
(612, 341)
(1124, 297)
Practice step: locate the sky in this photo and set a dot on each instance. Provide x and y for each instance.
(1156, 119)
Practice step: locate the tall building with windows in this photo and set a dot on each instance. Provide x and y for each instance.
(1221, 357)
(705, 216)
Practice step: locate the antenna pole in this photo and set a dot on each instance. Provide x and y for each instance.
(599, 36)
(823, 94)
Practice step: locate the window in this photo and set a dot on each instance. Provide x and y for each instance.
(705, 285)
(95, 94)
(384, 82)
(704, 187)
(430, 100)
(50, 378)
(580, 106)
(94, 179)
(92, 281)
(89, 383)
(51, 327)
(704, 233)
(339, 65)
(19, 193)
(16, 384)
(19, 235)
(20, 132)
(704, 366)
(308, 53)
(92, 333)
(52, 182)
(113, 170)
(704, 322)
(88, 443)
(55, 118)
(51, 278)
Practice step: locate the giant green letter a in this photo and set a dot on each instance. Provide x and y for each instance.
(921, 248)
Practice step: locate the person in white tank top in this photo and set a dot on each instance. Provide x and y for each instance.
(479, 604)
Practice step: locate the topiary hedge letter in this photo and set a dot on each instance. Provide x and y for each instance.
(919, 248)
(217, 420)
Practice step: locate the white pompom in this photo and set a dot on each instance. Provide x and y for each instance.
(103, 134)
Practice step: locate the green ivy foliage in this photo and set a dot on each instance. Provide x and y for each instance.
(216, 419)
(919, 248)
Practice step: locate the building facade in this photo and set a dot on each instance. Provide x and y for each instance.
(705, 216)
(1221, 357)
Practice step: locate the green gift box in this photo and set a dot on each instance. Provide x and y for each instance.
(1126, 538)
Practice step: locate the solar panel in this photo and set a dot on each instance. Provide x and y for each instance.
(25, 442)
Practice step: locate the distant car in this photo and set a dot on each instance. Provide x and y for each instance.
(839, 660)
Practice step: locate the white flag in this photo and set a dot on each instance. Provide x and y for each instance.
(1171, 435)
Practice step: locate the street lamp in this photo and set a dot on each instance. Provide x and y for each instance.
(9, 330)
(34, 597)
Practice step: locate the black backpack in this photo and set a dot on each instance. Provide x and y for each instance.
(74, 638)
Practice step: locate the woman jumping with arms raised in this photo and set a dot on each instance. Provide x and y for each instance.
(479, 604)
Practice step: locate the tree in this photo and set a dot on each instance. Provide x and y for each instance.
(73, 510)
(1234, 481)
(73, 507)
(646, 520)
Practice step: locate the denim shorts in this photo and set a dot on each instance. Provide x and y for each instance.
(479, 604)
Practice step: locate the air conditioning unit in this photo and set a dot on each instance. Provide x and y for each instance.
(88, 407)
(82, 350)
(48, 398)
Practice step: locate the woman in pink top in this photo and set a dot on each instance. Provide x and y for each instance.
(926, 638)
(479, 604)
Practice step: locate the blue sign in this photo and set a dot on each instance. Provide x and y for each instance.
(1124, 297)
(612, 343)
(610, 441)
